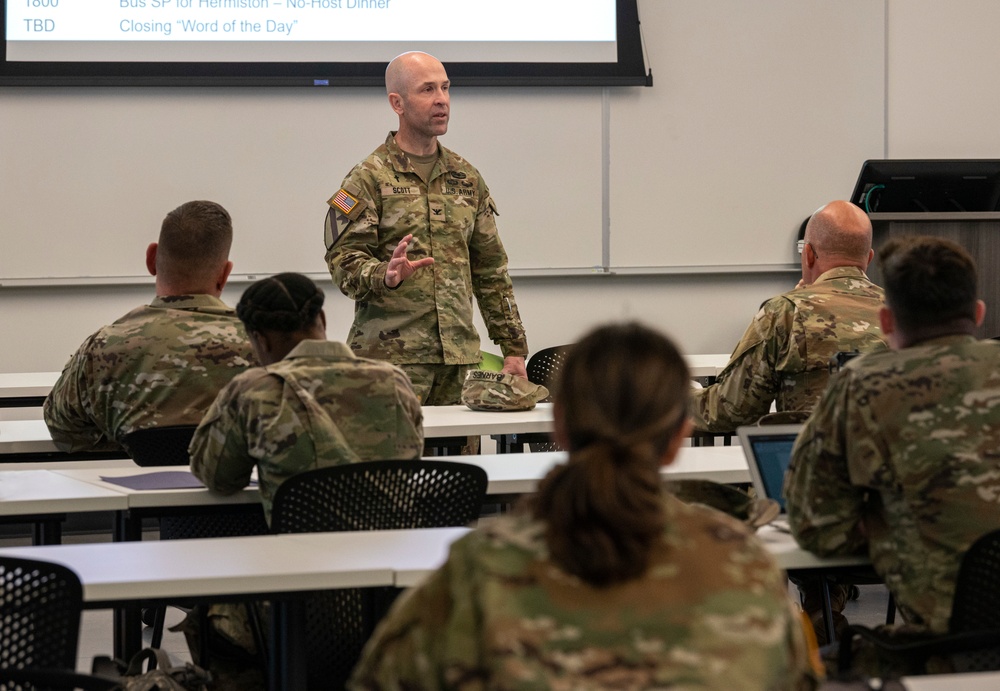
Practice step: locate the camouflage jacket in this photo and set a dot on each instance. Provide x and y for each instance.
(712, 612)
(159, 365)
(319, 406)
(900, 457)
(784, 356)
(428, 318)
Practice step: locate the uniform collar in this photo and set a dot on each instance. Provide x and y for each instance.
(199, 303)
(841, 272)
(316, 348)
(401, 162)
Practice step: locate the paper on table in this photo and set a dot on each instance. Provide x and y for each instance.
(164, 479)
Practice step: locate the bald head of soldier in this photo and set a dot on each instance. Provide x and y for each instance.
(838, 234)
(191, 256)
(931, 290)
(419, 93)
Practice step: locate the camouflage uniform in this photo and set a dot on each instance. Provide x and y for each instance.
(784, 356)
(159, 365)
(712, 612)
(900, 457)
(317, 407)
(428, 318)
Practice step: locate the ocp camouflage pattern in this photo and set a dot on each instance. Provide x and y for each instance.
(784, 355)
(429, 317)
(902, 457)
(712, 612)
(319, 406)
(159, 365)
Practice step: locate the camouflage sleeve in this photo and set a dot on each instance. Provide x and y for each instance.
(491, 283)
(219, 450)
(69, 410)
(408, 649)
(352, 240)
(412, 413)
(825, 509)
(744, 390)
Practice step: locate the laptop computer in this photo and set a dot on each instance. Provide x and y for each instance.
(769, 450)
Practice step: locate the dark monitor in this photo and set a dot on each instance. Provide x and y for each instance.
(925, 185)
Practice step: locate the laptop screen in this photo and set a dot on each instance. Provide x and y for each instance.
(773, 455)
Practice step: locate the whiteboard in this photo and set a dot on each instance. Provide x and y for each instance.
(88, 174)
(759, 113)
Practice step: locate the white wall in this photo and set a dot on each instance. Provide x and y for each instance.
(936, 97)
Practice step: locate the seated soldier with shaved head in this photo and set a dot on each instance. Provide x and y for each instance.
(161, 364)
(784, 355)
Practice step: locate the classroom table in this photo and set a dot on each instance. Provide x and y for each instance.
(121, 575)
(43, 498)
(24, 389)
(30, 439)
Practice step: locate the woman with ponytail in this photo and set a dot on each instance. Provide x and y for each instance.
(601, 580)
(312, 404)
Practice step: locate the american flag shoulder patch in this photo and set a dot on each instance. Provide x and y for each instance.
(344, 201)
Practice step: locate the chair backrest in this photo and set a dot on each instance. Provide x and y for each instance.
(374, 495)
(40, 614)
(380, 495)
(544, 366)
(977, 589)
(155, 446)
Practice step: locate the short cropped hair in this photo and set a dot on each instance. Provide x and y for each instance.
(928, 281)
(286, 302)
(195, 239)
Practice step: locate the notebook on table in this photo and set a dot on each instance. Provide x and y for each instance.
(769, 450)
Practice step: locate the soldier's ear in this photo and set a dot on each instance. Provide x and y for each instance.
(887, 321)
(980, 312)
(151, 258)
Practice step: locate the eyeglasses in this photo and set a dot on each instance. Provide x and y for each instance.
(800, 245)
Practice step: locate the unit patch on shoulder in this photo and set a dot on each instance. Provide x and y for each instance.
(344, 201)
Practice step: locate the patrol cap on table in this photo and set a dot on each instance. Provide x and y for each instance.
(485, 390)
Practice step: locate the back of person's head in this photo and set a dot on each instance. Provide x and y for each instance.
(840, 232)
(194, 243)
(929, 282)
(286, 303)
(621, 399)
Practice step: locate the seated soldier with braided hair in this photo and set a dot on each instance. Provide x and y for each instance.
(602, 580)
(312, 404)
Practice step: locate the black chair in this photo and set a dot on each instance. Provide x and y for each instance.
(161, 446)
(377, 495)
(40, 627)
(972, 643)
(543, 368)
(154, 446)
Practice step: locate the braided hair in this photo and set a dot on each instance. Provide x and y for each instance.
(286, 302)
(623, 397)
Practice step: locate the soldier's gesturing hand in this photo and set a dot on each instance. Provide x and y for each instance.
(400, 267)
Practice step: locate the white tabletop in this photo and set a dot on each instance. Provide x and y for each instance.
(27, 384)
(32, 436)
(507, 473)
(790, 556)
(169, 569)
(122, 571)
(460, 421)
(34, 384)
(972, 681)
(26, 492)
(706, 365)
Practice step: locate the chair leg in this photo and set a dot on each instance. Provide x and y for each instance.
(159, 621)
(890, 611)
(831, 632)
